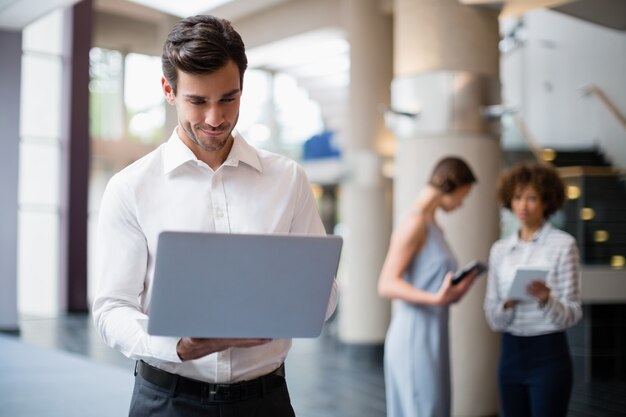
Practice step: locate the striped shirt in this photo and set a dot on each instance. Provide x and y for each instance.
(548, 247)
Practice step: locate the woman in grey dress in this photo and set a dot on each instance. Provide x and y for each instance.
(417, 272)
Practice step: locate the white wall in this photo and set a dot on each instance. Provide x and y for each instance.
(544, 78)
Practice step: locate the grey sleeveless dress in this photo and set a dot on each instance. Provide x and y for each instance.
(417, 359)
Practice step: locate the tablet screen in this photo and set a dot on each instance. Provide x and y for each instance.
(524, 275)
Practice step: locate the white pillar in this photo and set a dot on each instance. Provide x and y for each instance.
(446, 68)
(365, 195)
(10, 75)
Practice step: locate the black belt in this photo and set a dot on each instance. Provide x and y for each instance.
(210, 392)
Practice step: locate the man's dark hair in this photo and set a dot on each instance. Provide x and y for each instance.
(542, 177)
(450, 174)
(202, 45)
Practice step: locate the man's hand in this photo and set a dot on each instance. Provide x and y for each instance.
(195, 347)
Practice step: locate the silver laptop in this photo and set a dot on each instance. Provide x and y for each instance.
(242, 285)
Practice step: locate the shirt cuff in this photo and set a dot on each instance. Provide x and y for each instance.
(548, 305)
(506, 315)
(164, 348)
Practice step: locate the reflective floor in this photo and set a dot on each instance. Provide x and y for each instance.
(324, 380)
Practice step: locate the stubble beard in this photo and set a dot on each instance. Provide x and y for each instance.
(215, 144)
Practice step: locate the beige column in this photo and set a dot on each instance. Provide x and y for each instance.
(446, 64)
(365, 194)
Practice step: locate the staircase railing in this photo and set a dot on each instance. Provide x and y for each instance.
(596, 91)
(532, 144)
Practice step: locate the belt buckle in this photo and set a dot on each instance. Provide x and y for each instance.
(222, 392)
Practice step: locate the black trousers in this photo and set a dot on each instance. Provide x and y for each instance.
(535, 375)
(150, 400)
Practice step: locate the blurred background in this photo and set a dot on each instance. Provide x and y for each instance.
(367, 95)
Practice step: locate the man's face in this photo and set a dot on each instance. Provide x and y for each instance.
(207, 107)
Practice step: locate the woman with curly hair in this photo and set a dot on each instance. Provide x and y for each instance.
(535, 367)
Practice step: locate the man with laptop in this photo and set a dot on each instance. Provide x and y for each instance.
(205, 179)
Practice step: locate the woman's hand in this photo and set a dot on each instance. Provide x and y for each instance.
(449, 293)
(539, 290)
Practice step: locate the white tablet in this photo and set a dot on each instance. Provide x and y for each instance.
(524, 275)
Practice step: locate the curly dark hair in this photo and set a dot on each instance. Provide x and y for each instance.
(542, 177)
(202, 45)
(451, 173)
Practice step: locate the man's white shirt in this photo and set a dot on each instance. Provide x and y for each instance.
(254, 191)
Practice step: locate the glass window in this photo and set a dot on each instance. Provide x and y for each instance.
(105, 95)
(126, 101)
(256, 112)
(41, 208)
(41, 97)
(143, 99)
(45, 35)
(276, 113)
(39, 177)
(298, 115)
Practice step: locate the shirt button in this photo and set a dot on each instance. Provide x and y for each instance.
(219, 213)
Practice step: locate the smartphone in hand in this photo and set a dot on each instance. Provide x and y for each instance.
(461, 274)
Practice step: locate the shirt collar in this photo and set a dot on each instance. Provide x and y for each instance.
(176, 153)
(242, 151)
(539, 235)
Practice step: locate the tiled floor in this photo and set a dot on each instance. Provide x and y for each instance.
(323, 379)
(43, 382)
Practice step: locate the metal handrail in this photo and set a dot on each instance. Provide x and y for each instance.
(593, 89)
(536, 150)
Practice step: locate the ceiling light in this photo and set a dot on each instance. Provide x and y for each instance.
(573, 192)
(183, 8)
(600, 236)
(618, 261)
(587, 213)
(548, 155)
